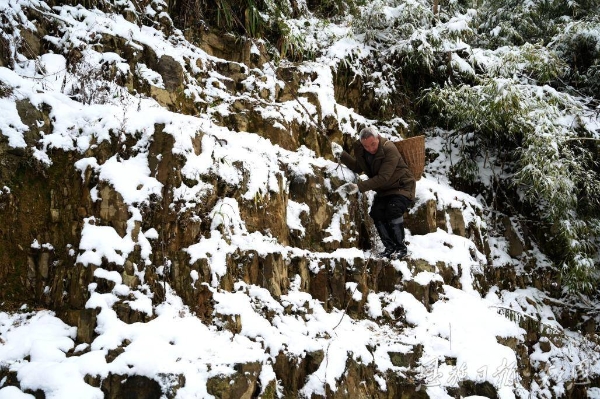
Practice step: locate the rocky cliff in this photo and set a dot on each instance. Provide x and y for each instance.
(138, 167)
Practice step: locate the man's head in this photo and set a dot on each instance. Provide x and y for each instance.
(369, 138)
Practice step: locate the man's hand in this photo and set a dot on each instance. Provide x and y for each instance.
(349, 188)
(336, 150)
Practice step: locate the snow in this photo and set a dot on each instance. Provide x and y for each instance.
(294, 210)
(134, 186)
(14, 393)
(334, 229)
(103, 242)
(463, 324)
(11, 124)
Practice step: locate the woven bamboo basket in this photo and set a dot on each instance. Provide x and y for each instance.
(413, 152)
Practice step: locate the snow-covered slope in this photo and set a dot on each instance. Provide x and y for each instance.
(232, 187)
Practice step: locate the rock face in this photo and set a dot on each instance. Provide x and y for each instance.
(55, 203)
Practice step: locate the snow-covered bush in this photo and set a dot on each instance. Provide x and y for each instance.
(408, 35)
(538, 137)
(507, 23)
(515, 22)
(528, 62)
(578, 44)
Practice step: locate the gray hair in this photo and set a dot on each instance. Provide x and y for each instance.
(368, 132)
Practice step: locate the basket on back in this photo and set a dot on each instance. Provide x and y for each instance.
(413, 152)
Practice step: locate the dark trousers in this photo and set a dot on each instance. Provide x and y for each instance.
(389, 208)
(388, 217)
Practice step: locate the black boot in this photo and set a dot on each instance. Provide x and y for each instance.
(386, 239)
(397, 235)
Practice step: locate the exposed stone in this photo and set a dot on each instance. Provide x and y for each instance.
(291, 77)
(44, 265)
(457, 221)
(309, 191)
(112, 354)
(359, 382)
(449, 275)
(84, 320)
(171, 73)
(298, 265)
(173, 100)
(241, 385)
(577, 389)
(270, 391)
(129, 315)
(31, 44)
(525, 369)
(408, 359)
(479, 238)
(38, 268)
(231, 323)
(292, 371)
(120, 45)
(36, 119)
(422, 220)
(505, 276)
(170, 383)
(545, 345)
(5, 55)
(222, 46)
(313, 98)
(469, 388)
(515, 245)
(420, 265)
(104, 285)
(427, 294)
(117, 386)
(128, 268)
(130, 15)
(319, 286)
(511, 342)
(546, 279)
(267, 213)
(113, 208)
(165, 24)
(250, 56)
(589, 326)
(8, 377)
(271, 272)
(278, 132)
(348, 89)
(387, 277)
(54, 215)
(204, 303)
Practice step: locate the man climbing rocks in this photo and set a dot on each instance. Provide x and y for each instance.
(391, 179)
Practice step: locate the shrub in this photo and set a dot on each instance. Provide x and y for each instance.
(547, 161)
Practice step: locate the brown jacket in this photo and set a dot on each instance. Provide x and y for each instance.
(390, 174)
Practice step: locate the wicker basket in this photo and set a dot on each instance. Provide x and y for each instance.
(413, 153)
